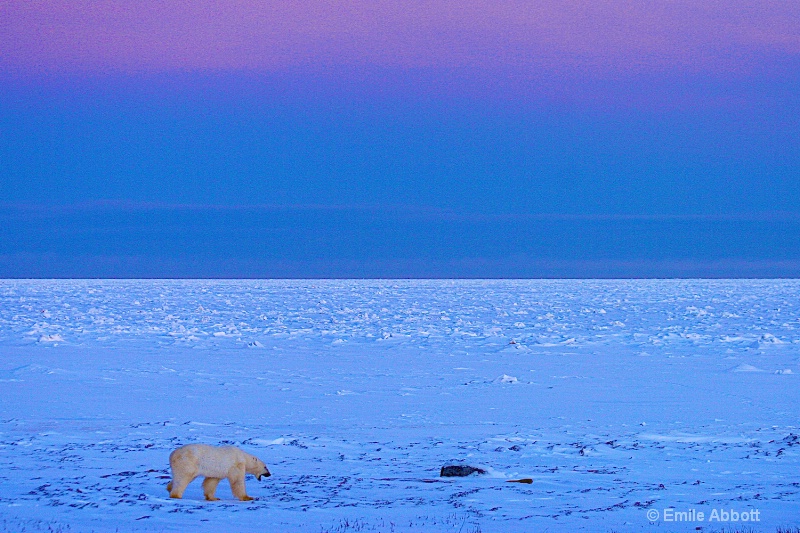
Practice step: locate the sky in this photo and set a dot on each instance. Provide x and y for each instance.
(399, 139)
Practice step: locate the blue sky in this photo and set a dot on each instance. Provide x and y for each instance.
(366, 167)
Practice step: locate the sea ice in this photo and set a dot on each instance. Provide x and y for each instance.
(360, 391)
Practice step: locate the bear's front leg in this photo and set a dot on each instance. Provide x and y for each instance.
(210, 488)
(236, 479)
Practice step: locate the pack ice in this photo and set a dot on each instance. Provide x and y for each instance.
(620, 400)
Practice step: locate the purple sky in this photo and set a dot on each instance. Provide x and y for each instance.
(600, 36)
(405, 138)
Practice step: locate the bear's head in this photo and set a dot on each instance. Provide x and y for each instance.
(257, 467)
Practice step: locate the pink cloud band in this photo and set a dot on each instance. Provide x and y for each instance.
(601, 35)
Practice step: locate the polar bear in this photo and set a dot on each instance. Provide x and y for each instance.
(215, 463)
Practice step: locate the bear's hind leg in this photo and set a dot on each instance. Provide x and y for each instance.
(178, 485)
(169, 486)
(210, 488)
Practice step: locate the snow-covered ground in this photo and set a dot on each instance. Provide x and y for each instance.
(618, 398)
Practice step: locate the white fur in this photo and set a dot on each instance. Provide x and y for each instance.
(214, 463)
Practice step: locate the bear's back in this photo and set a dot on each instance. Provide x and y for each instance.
(211, 461)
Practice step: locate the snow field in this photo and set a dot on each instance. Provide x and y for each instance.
(615, 397)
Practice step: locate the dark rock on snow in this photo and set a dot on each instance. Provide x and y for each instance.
(460, 471)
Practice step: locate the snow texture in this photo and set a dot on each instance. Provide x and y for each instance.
(615, 397)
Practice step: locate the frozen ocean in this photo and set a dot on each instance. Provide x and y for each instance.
(632, 405)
